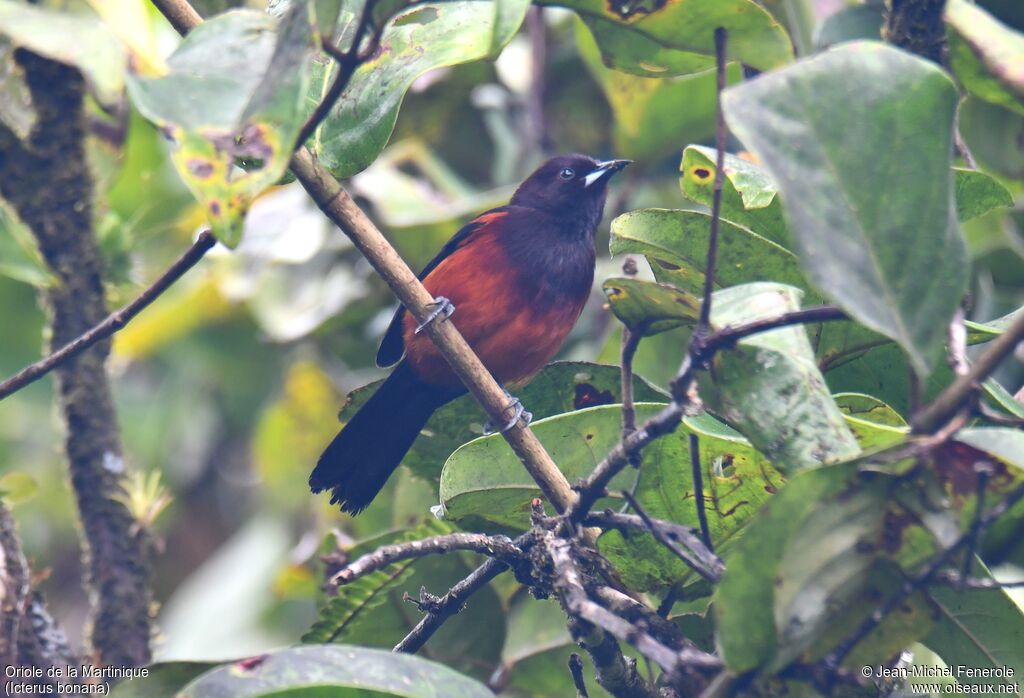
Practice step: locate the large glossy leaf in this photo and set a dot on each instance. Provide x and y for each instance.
(558, 388)
(755, 38)
(769, 387)
(484, 481)
(233, 96)
(737, 480)
(676, 244)
(842, 133)
(986, 55)
(653, 115)
(342, 670)
(429, 36)
(80, 40)
(804, 566)
(749, 195)
(650, 308)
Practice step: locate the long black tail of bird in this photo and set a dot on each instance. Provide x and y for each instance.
(370, 446)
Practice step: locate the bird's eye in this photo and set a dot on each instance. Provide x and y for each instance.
(567, 173)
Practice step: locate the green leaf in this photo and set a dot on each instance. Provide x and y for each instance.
(748, 192)
(978, 628)
(849, 24)
(233, 97)
(19, 255)
(626, 50)
(744, 604)
(654, 114)
(806, 565)
(868, 408)
(995, 136)
(485, 481)
(986, 55)
(755, 38)
(650, 308)
(16, 110)
(1002, 399)
(358, 599)
(768, 386)
(560, 387)
(430, 36)
(676, 244)
(1005, 444)
(537, 650)
(841, 133)
(344, 670)
(79, 40)
(737, 481)
(977, 193)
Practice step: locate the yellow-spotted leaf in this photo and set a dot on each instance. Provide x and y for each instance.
(231, 107)
(650, 308)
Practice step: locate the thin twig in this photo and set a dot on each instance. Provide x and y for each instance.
(630, 343)
(729, 335)
(348, 62)
(665, 422)
(576, 669)
(983, 470)
(721, 36)
(537, 32)
(570, 586)
(665, 607)
(697, 555)
(114, 322)
(452, 602)
(337, 204)
(697, 472)
(680, 534)
(911, 584)
(593, 486)
(957, 395)
(494, 546)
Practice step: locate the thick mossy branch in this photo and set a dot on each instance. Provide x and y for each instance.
(917, 26)
(29, 637)
(46, 179)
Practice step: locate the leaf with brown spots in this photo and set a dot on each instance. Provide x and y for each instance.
(231, 107)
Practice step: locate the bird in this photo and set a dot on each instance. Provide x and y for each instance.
(513, 281)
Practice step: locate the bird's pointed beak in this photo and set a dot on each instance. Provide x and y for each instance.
(604, 170)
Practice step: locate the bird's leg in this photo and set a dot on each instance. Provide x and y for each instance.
(441, 307)
(518, 412)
